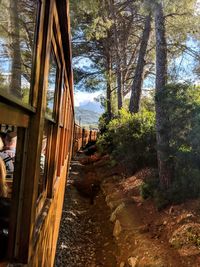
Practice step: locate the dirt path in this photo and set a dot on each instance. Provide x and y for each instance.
(120, 229)
(85, 237)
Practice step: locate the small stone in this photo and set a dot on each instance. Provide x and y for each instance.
(132, 261)
(116, 211)
(184, 218)
(117, 229)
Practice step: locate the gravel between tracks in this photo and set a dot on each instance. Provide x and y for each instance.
(85, 238)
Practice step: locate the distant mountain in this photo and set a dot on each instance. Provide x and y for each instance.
(86, 118)
(92, 106)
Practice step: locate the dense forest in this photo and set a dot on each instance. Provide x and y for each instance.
(145, 56)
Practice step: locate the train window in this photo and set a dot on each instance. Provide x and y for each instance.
(8, 142)
(17, 30)
(62, 125)
(62, 101)
(44, 158)
(52, 80)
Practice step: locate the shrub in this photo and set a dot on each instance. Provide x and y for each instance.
(103, 122)
(182, 105)
(148, 188)
(130, 139)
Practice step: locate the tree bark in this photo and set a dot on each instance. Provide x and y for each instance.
(109, 87)
(117, 58)
(15, 83)
(164, 164)
(139, 72)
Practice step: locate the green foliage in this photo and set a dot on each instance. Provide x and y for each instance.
(25, 95)
(147, 189)
(131, 139)
(181, 102)
(103, 122)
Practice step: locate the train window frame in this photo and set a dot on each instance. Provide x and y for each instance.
(61, 81)
(62, 100)
(43, 194)
(17, 180)
(61, 126)
(14, 112)
(29, 217)
(52, 129)
(53, 115)
(11, 99)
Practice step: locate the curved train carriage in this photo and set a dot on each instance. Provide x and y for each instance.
(36, 127)
(82, 137)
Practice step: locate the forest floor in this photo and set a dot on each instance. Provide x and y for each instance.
(106, 222)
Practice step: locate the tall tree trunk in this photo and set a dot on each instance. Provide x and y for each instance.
(119, 86)
(139, 72)
(117, 58)
(15, 83)
(164, 165)
(124, 57)
(109, 87)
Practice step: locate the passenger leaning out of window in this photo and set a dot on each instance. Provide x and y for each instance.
(8, 152)
(3, 186)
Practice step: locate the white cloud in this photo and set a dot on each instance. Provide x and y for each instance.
(80, 97)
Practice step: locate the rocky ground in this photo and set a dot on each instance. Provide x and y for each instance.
(85, 237)
(107, 223)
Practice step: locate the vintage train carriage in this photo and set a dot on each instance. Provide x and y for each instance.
(93, 135)
(82, 137)
(77, 138)
(37, 119)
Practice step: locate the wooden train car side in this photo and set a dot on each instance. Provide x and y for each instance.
(36, 104)
(82, 137)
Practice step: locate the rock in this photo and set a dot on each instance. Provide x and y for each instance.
(115, 202)
(132, 261)
(116, 211)
(185, 238)
(117, 229)
(137, 199)
(171, 210)
(184, 218)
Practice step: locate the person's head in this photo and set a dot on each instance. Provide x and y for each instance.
(3, 186)
(10, 140)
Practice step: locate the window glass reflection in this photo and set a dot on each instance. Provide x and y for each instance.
(53, 67)
(8, 143)
(17, 29)
(43, 161)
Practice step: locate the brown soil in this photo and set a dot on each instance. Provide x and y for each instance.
(148, 237)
